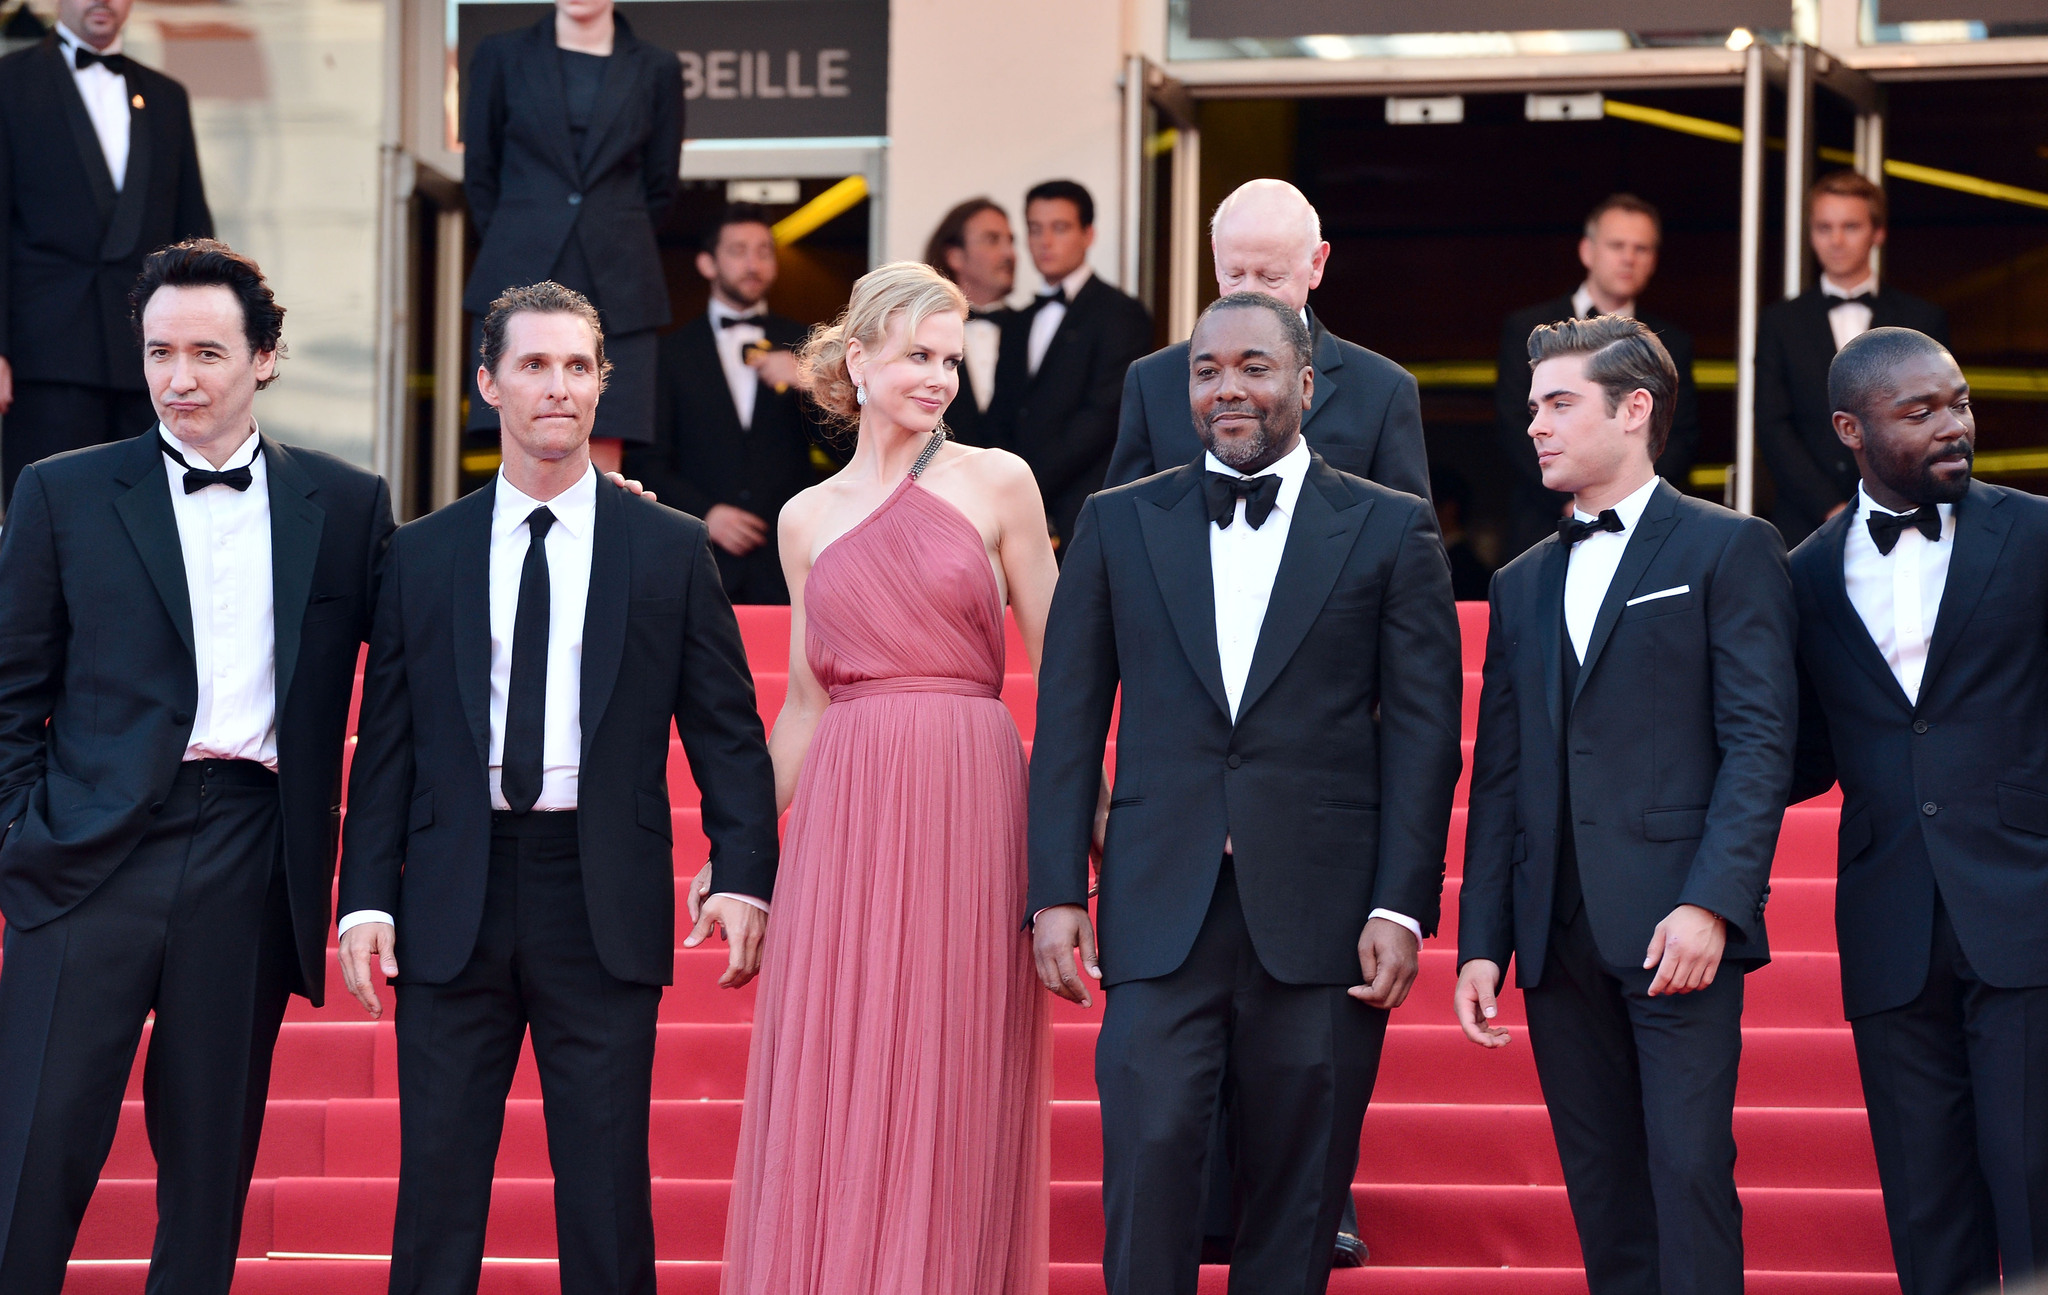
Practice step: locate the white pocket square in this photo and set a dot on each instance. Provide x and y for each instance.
(1672, 592)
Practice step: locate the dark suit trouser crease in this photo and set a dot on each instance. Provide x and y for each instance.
(535, 967)
(195, 926)
(51, 417)
(1956, 1084)
(1299, 1061)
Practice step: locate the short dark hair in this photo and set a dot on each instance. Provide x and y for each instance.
(1622, 355)
(210, 263)
(1861, 374)
(1623, 202)
(736, 213)
(1851, 184)
(544, 298)
(952, 232)
(1067, 190)
(1291, 326)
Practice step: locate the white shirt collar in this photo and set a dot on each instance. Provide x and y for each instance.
(1291, 468)
(244, 454)
(70, 40)
(1829, 289)
(1629, 509)
(1072, 284)
(719, 310)
(1865, 506)
(1582, 301)
(575, 508)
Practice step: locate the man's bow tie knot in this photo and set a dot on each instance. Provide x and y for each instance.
(197, 479)
(1571, 530)
(734, 321)
(1223, 490)
(1885, 528)
(83, 58)
(1860, 299)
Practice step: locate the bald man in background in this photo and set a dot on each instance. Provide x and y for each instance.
(1365, 417)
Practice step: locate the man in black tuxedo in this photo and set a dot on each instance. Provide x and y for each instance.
(183, 610)
(732, 434)
(973, 246)
(1619, 252)
(1814, 473)
(508, 841)
(1287, 647)
(98, 169)
(1635, 736)
(1366, 418)
(1063, 359)
(1923, 623)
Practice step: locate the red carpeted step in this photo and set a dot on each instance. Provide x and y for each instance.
(290, 1276)
(1800, 914)
(294, 1141)
(1794, 989)
(120, 1223)
(354, 1216)
(687, 1139)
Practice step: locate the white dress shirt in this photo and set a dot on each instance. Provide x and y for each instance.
(1047, 321)
(1850, 320)
(740, 377)
(1898, 593)
(225, 536)
(106, 100)
(1582, 305)
(984, 343)
(1593, 563)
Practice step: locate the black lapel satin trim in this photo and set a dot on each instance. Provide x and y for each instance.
(124, 227)
(1329, 357)
(295, 526)
(621, 75)
(471, 616)
(83, 136)
(1842, 615)
(1981, 528)
(1062, 337)
(145, 509)
(551, 101)
(1549, 626)
(1324, 530)
(1175, 523)
(1660, 514)
(604, 609)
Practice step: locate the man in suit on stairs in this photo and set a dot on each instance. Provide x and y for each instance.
(1923, 615)
(973, 246)
(180, 615)
(1635, 742)
(98, 169)
(1814, 474)
(508, 838)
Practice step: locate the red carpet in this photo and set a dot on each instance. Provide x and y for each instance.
(1459, 1189)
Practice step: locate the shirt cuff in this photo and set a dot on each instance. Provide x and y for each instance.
(1402, 919)
(359, 917)
(761, 904)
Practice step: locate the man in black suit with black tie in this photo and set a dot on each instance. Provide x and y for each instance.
(180, 615)
(973, 246)
(1063, 360)
(732, 434)
(1923, 623)
(508, 841)
(1814, 473)
(98, 169)
(1287, 647)
(1619, 252)
(1635, 741)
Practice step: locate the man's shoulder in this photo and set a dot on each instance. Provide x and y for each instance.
(1364, 359)
(2026, 509)
(1169, 359)
(1109, 300)
(21, 63)
(1543, 312)
(160, 86)
(781, 329)
(1366, 490)
(331, 471)
(85, 467)
(1160, 488)
(1671, 333)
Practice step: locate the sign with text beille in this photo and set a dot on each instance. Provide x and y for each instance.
(1226, 19)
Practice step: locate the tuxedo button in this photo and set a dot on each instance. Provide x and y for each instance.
(156, 807)
(1919, 726)
(575, 199)
(1234, 761)
(1930, 809)
(181, 718)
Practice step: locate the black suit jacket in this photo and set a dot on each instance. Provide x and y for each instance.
(1680, 739)
(529, 189)
(75, 243)
(659, 644)
(1795, 425)
(1062, 419)
(1365, 417)
(1948, 797)
(96, 638)
(1334, 784)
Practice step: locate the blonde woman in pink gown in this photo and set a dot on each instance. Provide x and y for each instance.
(894, 1139)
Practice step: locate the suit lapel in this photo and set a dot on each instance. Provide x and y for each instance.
(1175, 523)
(471, 616)
(550, 100)
(1077, 309)
(124, 227)
(1320, 537)
(295, 525)
(1981, 527)
(1645, 539)
(620, 73)
(701, 343)
(145, 510)
(1329, 357)
(1842, 614)
(1549, 625)
(87, 140)
(604, 609)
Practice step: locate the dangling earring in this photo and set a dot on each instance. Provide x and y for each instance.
(860, 394)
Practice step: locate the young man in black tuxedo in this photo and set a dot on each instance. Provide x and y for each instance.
(1062, 364)
(1635, 741)
(1619, 252)
(1923, 621)
(182, 613)
(1287, 647)
(974, 247)
(507, 853)
(732, 434)
(1814, 473)
(99, 170)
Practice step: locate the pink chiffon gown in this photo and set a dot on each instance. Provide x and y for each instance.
(895, 1135)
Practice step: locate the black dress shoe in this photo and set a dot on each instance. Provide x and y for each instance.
(1351, 1252)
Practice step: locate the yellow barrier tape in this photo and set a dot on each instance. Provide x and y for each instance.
(829, 205)
(478, 462)
(1719, 375)
(1710, 476)
(1677, 121)
(1162, 142)
(1990, 463)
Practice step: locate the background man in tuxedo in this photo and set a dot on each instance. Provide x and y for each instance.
(1366, 418)
(509, 844)
(732, 439)
(1619, 252)
(1063, 362)
(973, 246)
(184, 609)
(100, 170)
(1288, 649)
(1635, 736)
(1923, 623)
(1814, 473)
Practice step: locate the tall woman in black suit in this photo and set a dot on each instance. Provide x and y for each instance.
(574, 134)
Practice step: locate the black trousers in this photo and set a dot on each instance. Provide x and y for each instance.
(535, 967)
(195, 926)
(1299, 1062)
(52, 417)
(1641, 1093)
(755, 578)
(1956, 1083)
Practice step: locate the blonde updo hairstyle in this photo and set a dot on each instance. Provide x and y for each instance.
(911, 290)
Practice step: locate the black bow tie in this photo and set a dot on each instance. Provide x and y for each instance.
(1571, 530)
(992, 316)
(197, 479)
(1048, 298)
(83, 58)
(1223, 490)
(1885, 528)
(1860, 299)
(734, 321)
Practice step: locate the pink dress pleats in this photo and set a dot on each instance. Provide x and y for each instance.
(895, 1139)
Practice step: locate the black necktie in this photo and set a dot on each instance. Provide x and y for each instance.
(526, 700)
(1885, 528)
(1571, 530)
(83, 58)
(1224, 490)
(197, 479)
(1860, 299)
(734, 321)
